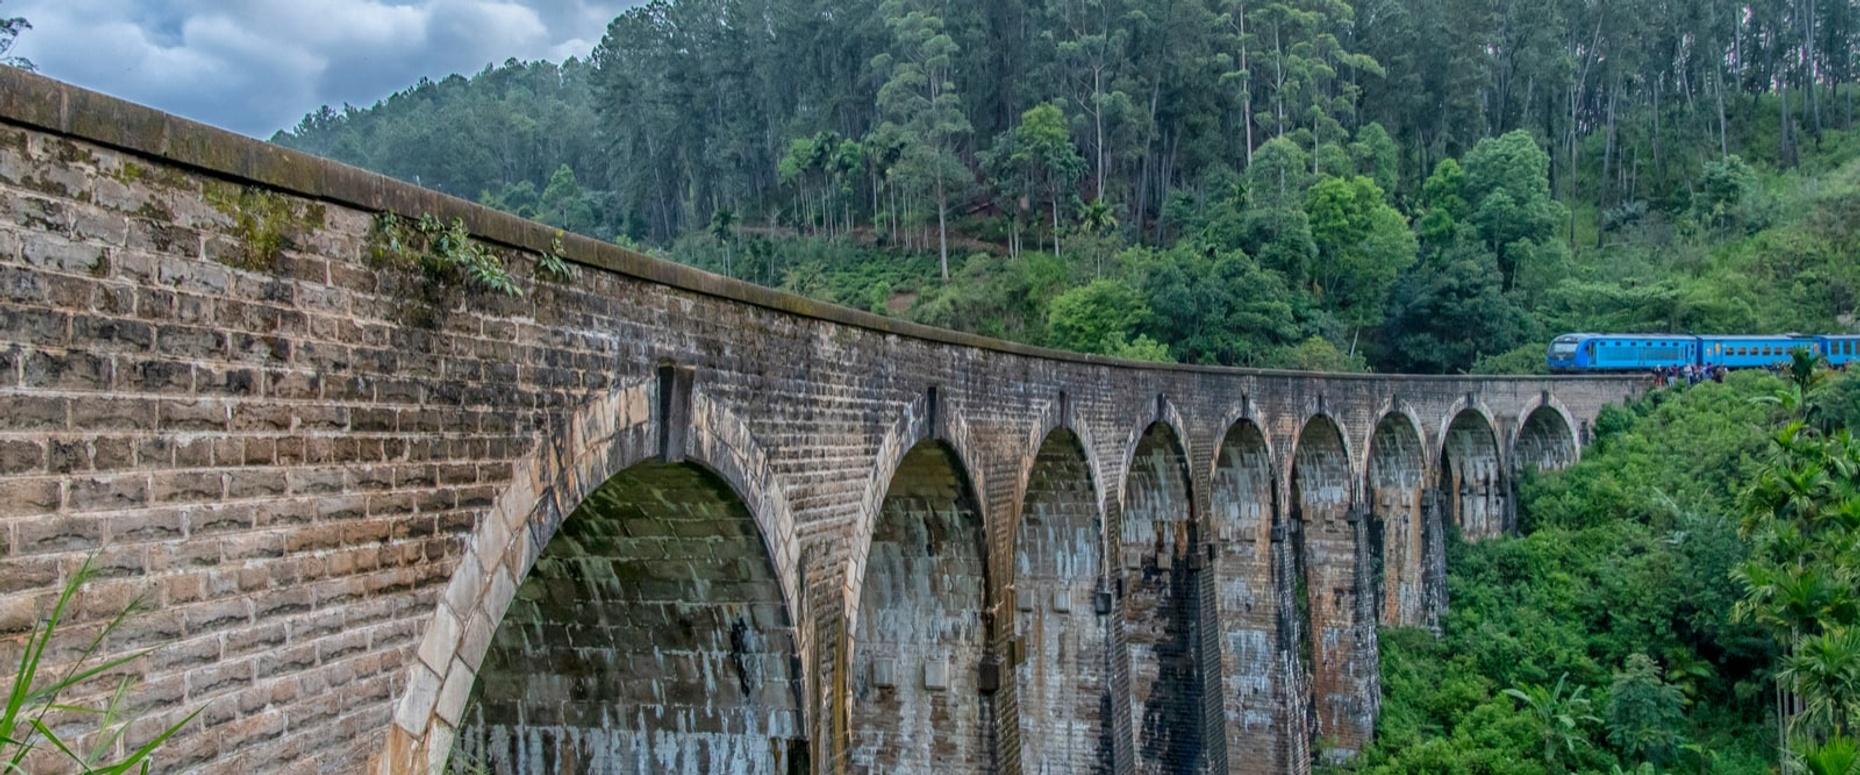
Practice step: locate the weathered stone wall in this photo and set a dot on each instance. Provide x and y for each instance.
(918, 649)
(330, 496)
(1341, 648)
(1060, 681)
(1160, 588)
(1244, 504)
(1397, 472)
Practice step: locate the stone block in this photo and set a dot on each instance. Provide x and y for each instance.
(936, 673)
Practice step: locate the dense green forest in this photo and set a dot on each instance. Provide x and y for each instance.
(1412, 185)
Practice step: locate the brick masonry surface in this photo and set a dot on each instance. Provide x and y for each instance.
(651, 519)
(1060, 675)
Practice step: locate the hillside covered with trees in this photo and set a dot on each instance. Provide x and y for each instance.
(1413, 185)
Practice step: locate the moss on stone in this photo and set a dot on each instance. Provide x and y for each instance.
(72, 153)
(49, 186)
(264, 222)
(13, 138)
(155, 175)
(156, 211)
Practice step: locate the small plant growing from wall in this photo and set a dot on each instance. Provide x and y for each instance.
(263, 222)
(552, 266)
(38, 701)
(440, 259)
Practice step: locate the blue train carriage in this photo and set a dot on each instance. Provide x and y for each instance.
(1840, 349)
(1622, 352)
(1756, 352)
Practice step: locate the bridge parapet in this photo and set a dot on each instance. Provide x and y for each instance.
(346, 509)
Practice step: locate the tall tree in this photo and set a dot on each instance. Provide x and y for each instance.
(1365, 244)
(1508, 188)
(1089, 48)
(920, 106)
(1043, 147)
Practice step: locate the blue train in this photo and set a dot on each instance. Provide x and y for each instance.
(1646, 352)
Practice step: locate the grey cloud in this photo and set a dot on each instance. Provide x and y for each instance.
(256, 66)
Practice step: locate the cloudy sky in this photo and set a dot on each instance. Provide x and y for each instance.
(256, 66)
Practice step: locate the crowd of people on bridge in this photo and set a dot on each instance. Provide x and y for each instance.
(1689, 374)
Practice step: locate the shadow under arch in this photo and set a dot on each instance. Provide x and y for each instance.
(1471, 475)
(603, 457)
(914, 691)
(1244, 512)
(1337, 645)
(1545, 438)
(1056, 416)
(1062, 681)
(1156, 543)
(656, 578)
(1395, 483)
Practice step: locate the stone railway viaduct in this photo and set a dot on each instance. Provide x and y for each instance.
(650, 519)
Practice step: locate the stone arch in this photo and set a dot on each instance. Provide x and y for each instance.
(1157, 545)
(648, 636)
(724, 471)
(1337, 647)
(915, 693)
(1244, 508)
(1470, 474)
(1061, 682)
(1056, 416)
(1545, 438)
(919, 422)
(1394, 485)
